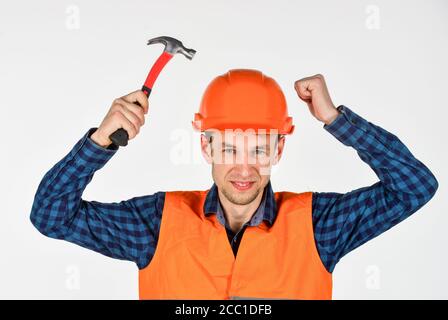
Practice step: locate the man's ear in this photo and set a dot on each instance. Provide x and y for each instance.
(206, 149)
(279, 149)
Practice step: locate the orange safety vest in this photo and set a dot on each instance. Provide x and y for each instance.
(194, 259)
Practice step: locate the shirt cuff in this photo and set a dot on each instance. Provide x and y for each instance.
(87, 153)
(348, 127)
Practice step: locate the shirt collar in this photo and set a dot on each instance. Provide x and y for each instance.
(266, 211)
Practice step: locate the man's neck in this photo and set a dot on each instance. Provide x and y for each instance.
(238, 215)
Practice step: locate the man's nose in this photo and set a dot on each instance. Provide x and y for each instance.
(243, 169)
(243, 165)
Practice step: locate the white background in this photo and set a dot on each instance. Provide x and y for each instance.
(62, 63)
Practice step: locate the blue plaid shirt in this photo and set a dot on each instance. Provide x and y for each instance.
(129, 229)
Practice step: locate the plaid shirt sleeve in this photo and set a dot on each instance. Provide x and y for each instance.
(127, 230)
(344, 221)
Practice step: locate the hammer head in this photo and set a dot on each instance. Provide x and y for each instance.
(173, 46)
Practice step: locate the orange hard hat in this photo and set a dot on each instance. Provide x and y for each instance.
(243, 99)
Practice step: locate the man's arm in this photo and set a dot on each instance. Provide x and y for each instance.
(126, 230)
(343, 222)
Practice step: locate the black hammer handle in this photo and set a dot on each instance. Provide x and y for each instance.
(121, 137)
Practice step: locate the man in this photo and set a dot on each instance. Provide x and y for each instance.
(237, 239)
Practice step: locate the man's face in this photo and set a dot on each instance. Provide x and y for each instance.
(241, 162)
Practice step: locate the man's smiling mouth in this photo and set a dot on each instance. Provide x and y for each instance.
(242, 185)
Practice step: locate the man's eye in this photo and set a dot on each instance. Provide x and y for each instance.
(260, 152)
(229, 150)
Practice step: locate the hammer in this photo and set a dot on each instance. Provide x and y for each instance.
(172, 46)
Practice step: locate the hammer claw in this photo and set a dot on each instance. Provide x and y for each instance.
(173, 46)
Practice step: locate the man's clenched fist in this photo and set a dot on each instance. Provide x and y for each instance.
(124, 113)
(313, 90)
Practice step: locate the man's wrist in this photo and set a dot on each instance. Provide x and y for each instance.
(99, 141)
(332, 117)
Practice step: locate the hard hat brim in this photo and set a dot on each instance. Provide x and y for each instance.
(268, 126)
